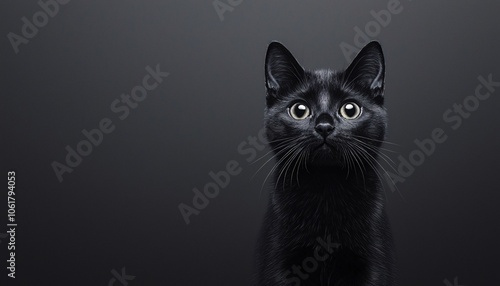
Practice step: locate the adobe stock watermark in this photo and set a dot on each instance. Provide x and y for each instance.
(122, 278)
(223, 6)
(221, 179)
(310, 264)
(30, 28)
(455, 282)
(120, 107)
(454, 117)
(372, 29)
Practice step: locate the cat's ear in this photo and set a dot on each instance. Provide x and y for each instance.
(368, 69)
(282, 69)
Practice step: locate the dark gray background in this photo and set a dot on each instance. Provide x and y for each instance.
(119, 208)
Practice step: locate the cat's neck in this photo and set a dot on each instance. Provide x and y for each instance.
(327, 181)
(327, 200)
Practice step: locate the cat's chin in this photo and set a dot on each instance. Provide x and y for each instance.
(325, 155)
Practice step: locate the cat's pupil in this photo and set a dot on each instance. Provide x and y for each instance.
(301, 110)
(350, 110)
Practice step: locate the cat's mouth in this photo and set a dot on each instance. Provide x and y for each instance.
(325, 144)
(326, 148)
(326, 154)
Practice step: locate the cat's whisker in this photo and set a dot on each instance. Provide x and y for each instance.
(380, 154)
(373, 146)
(283, 169)
(358, 160)
(308, 153)
(283, 143)
(277, 164)
(377, 151)
(286, 165)
(370, 160)
(376, 140)
(377, 172)
(281, 139)
(283, 150)
(278, 150)
(299, 161)
(348, 161)
(383, 156)
(344, 160)
(293, 161)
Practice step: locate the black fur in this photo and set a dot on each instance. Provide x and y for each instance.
(327, 189)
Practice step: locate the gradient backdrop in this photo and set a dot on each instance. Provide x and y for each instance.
(119, 207)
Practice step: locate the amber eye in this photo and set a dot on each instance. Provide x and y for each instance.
(299, 111)
(350, 110)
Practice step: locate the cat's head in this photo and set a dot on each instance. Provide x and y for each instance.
(324, 117)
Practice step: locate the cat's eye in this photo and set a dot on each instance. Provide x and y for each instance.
(299, 111)
(350, 110)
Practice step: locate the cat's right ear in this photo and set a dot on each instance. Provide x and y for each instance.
(282, 69)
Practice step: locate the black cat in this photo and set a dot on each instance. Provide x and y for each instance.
(326, 223)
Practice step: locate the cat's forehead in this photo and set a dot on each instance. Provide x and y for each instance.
(322, 83)
(323, 88)
(324, 76)
(324, 79)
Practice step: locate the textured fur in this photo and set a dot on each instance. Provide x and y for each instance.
(326, 187)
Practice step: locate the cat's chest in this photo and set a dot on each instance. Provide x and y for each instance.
(307, 218)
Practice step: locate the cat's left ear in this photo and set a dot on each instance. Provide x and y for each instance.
(368, 69)
(282, 69)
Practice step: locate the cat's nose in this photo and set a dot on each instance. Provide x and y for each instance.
(324, 129)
